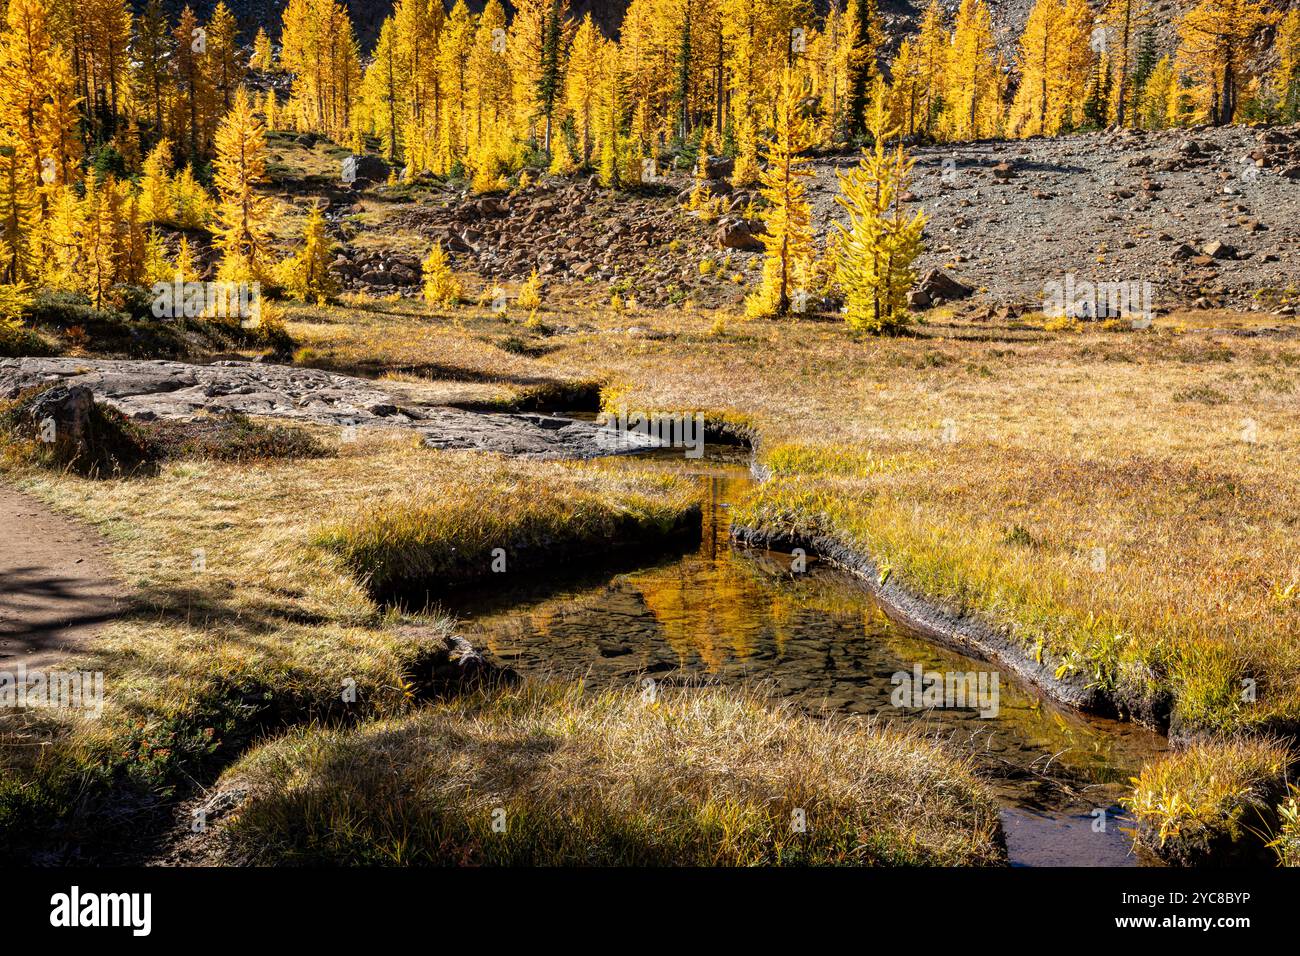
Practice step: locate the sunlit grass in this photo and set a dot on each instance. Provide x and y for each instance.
(1191, 804)
(984, 465)
(452, 532)
(989, 464)
(241, 624)
(548, 775)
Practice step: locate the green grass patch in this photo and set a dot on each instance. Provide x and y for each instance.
(1212, 802)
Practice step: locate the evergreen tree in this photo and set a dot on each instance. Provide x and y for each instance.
(152, 47)
(1124, 21)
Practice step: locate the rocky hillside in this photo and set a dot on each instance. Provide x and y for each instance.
(900, 16)
(367, 15)
(1208, 217)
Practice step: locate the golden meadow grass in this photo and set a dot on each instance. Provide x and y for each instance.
(699, 776)
(1081, 441)
(263, 636)
(983, 463)
(241, 623)
(449, 532)
(988, 465)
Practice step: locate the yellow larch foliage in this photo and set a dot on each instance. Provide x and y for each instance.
(38, 103)
(1216, 39)
(788, 240)
(242, 212)
(263, 57)
(875, 250)
(582, 86)
(1286, 77)
(530, 293)
(1055, 60)
(318, 46)
(306, 275)
(441, 287)
(156, 184)
(973, 90)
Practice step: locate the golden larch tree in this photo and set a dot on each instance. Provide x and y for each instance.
(582, 85)
(242, 213)
(788, 239)
(973, 91)
(876, 248)
(1216, 41)
(306, 275)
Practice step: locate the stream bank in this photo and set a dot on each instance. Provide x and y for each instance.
(742, 617)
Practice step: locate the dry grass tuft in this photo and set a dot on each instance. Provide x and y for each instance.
(694, 777)
(435, 537)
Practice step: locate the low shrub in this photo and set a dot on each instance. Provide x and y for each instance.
(231, 437)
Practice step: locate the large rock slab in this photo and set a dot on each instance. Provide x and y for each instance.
(147, 389)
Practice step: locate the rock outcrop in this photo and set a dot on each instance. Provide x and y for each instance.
(146, 390)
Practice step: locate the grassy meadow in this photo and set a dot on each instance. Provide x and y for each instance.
(1117, 500)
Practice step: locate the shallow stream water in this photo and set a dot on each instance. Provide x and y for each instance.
(732, 615)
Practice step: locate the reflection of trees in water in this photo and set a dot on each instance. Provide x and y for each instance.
(818, 636)
(716, 606)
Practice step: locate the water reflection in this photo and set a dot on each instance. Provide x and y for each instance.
(730, 615)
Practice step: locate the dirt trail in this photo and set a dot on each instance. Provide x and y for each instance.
(56, 590)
